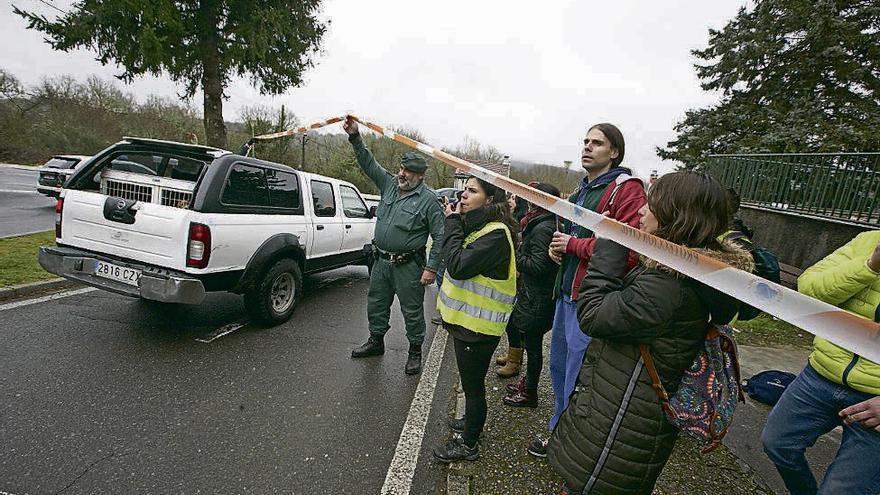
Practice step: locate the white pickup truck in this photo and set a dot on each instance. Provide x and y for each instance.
(169, 221)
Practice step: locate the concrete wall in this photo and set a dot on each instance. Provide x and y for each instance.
(797, 240)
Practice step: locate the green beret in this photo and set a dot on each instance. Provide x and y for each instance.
(414, 162)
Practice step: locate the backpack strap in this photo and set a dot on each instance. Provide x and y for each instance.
(618, 183)
(655, 379)
(736, 235)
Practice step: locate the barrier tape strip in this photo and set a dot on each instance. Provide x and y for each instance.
(856, 334)
(298, 130)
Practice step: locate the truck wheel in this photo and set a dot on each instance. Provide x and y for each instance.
(275, 297)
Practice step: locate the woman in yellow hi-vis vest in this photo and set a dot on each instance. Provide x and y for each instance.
(476, 299)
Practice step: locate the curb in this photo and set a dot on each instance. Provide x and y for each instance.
(25, 290)
(22, 234)
(19, 167)
(456, 482)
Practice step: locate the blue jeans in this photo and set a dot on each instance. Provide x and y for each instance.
(567, 347)
(808, 409)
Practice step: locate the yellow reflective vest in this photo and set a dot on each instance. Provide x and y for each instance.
(480, 304)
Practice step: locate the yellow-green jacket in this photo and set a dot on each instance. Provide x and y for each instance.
(844, 279)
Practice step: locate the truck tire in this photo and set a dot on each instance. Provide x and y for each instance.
(274, 298)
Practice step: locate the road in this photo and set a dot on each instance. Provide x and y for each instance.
(22, 209)
(100, 393)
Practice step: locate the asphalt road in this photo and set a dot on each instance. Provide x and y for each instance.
(100, 393)
(22, 209)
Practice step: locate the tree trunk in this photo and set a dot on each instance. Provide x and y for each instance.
(212, 77)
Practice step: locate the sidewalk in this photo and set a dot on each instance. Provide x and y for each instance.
(737, 467)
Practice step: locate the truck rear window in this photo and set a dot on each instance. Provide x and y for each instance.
(157, 164)
(248, 185)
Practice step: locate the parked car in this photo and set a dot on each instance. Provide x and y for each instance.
(170, 221)
(448, 193)
(55, 172)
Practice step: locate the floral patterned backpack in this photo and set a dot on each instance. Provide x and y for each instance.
(710, 389)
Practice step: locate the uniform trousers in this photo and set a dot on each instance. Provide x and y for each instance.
(403, 280)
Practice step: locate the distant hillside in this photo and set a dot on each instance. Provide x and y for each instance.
(565, 180)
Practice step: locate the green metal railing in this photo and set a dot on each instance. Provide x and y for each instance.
(840, 186)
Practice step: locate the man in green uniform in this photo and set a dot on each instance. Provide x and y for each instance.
(407, 213)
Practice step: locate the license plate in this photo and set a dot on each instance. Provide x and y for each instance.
(129, 276)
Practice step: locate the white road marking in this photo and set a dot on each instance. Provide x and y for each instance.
(17, 191)
(224, 330)
(398, 480)
(50, 297)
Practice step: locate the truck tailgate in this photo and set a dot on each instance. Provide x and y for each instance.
(158, 235)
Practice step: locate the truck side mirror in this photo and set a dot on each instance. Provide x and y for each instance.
(372, 212)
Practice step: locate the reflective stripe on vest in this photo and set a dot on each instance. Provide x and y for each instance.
(475, 311)
(483, 291)
(480, 304)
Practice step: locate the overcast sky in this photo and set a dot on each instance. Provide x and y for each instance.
(526, 77)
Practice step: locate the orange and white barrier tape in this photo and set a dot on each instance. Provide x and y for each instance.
(858, 335)
(298, 130)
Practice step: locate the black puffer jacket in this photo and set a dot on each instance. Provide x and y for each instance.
(614, 437)
(533, 311)
(488, 256)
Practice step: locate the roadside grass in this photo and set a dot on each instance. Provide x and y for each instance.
(767, 331)
(18, 258)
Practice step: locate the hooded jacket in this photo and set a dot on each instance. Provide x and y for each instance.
(614, 436)
(622, 199)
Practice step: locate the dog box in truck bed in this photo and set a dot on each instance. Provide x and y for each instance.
(168, 222)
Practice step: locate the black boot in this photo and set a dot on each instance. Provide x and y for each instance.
(414, 360)
(374, 346)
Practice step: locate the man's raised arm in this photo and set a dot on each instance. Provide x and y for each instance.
(365, 159)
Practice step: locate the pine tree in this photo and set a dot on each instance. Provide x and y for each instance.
(794, 75)
(199, 44)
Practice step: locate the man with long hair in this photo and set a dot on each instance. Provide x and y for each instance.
(607, 188)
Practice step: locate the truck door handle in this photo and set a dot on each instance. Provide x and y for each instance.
(320, 227)
(348, 226)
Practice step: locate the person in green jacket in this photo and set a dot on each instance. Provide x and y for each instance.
(836, 387)
(408, 212)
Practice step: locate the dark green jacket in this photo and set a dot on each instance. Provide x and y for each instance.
(614, 438)
(403, 221)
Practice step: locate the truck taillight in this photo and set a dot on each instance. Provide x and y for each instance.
(59, 206)
(198, 248)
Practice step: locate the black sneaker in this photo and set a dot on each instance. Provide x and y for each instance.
(455, 424)
(372, 347)
(456, 450)
(538, 447)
